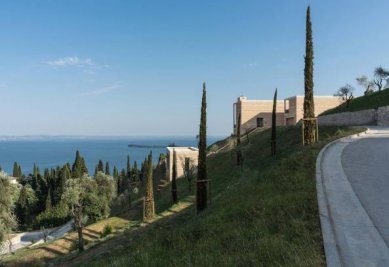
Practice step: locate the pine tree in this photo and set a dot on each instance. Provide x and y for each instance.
(174, 179)
(201, 194)
(309, 107)
(273, 125)
(149, 205)
(107, 171)
(100, 166)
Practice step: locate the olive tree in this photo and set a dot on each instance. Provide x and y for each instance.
(7, 218)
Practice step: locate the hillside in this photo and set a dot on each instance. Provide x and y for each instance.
(373, 101)
(265, 215)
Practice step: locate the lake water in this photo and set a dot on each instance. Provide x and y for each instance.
(53, 151)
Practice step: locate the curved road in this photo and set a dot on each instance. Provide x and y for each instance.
(366, 165)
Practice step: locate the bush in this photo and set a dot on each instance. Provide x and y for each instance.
(107, 230)
(53, 217)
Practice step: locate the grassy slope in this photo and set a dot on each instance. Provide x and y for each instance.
(265, 216)
(373, 101)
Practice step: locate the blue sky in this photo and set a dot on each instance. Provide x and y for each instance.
(109, 67)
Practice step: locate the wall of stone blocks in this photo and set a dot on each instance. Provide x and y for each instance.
(378, 117)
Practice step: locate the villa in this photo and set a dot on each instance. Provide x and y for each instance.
(182, 153)
(257, 113)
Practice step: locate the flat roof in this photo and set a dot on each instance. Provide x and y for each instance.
(182, 148)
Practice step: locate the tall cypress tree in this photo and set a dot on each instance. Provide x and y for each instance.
(115, 172)
(149, 205)
(309, 107)
(100, 166)
(77, 166)
(201, 193)
(15, 172)
(238, 142)
(273, 125)
(135, 171)
(128, 167)
(174, 178)
(107, 171)
(21, 207)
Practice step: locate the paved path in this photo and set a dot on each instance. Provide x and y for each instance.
(353, 194)
(22, 240)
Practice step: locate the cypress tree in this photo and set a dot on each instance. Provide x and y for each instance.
(309, 107)
(123, 181)
(201, 193)
(115, 172)
(76, 168)
(21, 206)
(273, 125)
(20, 173)
(174, 179)
(107, 171)
(238, 142)
(48, 205)
(84, 169)
(128, 167)
(15, 172)
(100, 166)
(149, 205)
(135, 171)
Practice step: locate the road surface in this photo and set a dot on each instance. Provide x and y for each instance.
(366, 165)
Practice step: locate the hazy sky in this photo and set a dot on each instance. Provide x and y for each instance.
(108, 67)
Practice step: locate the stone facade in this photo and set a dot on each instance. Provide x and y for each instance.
(378, 116)
(257, 113)
(181, 154)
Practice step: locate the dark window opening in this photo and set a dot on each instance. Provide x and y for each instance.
(259, 122)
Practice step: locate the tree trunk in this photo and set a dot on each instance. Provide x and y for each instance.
(80, 239)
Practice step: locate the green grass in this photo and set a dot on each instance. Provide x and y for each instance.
(265, 215)
(373, 101)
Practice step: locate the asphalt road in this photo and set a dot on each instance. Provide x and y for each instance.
(366, 165)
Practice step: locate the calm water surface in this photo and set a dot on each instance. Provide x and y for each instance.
(53, 151)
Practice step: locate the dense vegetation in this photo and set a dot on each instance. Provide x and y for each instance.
(68, 192)
(373, 100)
(266, 215)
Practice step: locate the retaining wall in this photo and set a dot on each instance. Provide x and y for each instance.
(378, 116)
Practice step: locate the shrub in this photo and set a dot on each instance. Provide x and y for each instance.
(107, 230)
(53, 217)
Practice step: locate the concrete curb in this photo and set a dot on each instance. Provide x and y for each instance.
(330, 247)
(350, 238)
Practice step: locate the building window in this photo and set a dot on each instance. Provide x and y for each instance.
(286, 106)
(259, 122)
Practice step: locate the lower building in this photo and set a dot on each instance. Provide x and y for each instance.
(257, 113)
(189, 154)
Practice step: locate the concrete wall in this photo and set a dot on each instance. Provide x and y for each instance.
(250, 110)
(296, 107)
(363, 117)
(181, 154)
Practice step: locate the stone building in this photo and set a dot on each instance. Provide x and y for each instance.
(257, 113)
(182, 153)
